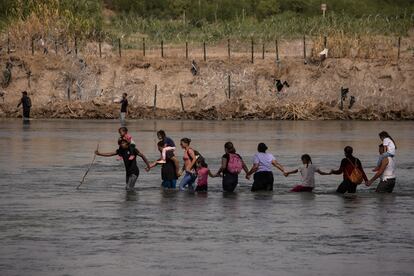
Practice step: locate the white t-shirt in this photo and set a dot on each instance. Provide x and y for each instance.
(308, 175)
(387, 142)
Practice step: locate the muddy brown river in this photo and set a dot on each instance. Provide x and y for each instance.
(47, 227)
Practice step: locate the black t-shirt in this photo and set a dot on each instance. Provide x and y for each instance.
(347, 167)
(124, 105)
(168, 169)
(130, 165)
(26, 102)
(227, 156)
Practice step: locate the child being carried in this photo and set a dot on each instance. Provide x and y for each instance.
(123, 135)
(168, 145)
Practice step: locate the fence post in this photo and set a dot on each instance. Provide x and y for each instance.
(204, 50)
(182, 103)
(228, 47)
(229, 86)
(263, 51)
(252, 50)
(186, 50)
(277, 50)
(76, 45)
(32, 44)
(399, 47)
(8, 43)
(100, 47)
(56, 47)
(155, 99)
(304, 48)
(162, 48)
(119, 47)
(325, 41)
(143, 46)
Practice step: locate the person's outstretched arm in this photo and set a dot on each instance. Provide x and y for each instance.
(254, 169)
(340, 170)
(290, 172)
(107, 154)
(223, 166)
(211, 174)
(323, 173)
(279, 166)
(384, 164)
(140, 154)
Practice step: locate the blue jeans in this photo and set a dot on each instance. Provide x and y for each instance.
(169, 184)
(188, 179)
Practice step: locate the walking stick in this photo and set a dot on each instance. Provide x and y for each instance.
(87, 171)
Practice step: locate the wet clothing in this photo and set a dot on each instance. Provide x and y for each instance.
(386, 186)
(188, 180)
(347, 186)
(201, 188)
(230, 180)
(169, 184)
(130, 182)
(130, 165)
(387, 182)
(124, 105)
(263, 181)
(264, 160)
(347, 167)
(308, 175)
(202, 176)
(301, 188)
(168, 169)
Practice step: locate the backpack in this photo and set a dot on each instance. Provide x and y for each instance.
(356, 174)
(234, 164)
(198, 157)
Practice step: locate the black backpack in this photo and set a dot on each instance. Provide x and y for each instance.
(198, 157)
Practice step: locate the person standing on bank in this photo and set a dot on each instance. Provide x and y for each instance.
(386, 173)
(262, 169)
(231, 166)
(124, 108)
(27, 104)
(353, 173)
(131, 168)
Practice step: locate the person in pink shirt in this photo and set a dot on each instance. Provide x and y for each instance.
(203, 172)
(124, 135)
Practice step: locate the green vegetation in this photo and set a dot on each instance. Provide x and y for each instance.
(176, 21)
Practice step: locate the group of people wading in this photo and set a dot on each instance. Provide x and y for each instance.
(195, 171)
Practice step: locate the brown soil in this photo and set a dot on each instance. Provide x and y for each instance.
(383, 87)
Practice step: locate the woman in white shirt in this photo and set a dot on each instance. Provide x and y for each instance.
(308, 175)
(386, 173)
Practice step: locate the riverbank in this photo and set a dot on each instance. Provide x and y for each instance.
(85, 86)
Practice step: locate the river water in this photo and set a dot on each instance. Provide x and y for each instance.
(47, 227)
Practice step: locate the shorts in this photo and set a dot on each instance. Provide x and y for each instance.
(130, 182)
(169, 184)
(301, 188)
(386, 186)
(202, 188)
(347, 186)
(230, 182)
(263, 181)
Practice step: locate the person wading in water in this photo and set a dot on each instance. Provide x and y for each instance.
(352, 171)
(131, 168)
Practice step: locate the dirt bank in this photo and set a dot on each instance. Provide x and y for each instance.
(383, 89)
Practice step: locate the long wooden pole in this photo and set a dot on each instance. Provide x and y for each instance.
(90, 166)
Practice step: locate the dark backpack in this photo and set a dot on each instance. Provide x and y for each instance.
(198, 157)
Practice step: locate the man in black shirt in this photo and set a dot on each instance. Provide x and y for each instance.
(124, 107)
(27, 104)
(131, 168)
(169, 170)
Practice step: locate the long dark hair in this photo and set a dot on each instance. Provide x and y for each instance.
(384, 134)
(229, 147)
(307, 159)
(186, 141)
